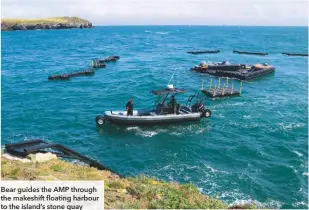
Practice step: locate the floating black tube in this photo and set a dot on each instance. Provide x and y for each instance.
(68, 76)
(23, 149)
(249, 53)
(294, 54)
(204, 51)
(108, 59)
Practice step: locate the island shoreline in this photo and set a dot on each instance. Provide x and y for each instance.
(44, 24)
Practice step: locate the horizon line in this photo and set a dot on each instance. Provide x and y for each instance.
(224, 25)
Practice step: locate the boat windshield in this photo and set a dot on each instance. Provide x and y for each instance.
(168, 91)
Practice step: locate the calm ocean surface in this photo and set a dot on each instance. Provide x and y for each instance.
(254, 147)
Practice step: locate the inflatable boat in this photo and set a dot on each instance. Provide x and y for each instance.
(162, 113)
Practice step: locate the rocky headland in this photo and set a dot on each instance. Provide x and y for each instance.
(44, 23)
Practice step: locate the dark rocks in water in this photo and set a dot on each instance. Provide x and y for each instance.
(295, 54)
(40, 26)
(5, 27)
(18, 27)
(204, 51)
(249, 53)
(31, 27)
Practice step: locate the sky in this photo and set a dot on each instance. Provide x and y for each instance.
(165, 12)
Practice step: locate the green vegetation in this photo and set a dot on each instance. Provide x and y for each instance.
(53, 20)
(121, 193)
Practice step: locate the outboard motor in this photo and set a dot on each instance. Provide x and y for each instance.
(199, 107)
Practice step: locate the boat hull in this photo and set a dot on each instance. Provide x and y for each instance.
(121, 118)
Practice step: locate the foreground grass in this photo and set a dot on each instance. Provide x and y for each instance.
(130, 193)
(53, 20)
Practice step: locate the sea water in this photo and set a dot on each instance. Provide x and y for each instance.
(253, 148)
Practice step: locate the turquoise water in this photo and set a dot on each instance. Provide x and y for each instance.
(254, 147)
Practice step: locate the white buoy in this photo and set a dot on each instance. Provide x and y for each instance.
(210, 84)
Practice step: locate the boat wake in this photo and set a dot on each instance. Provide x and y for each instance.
(140, 132)
(162, 32)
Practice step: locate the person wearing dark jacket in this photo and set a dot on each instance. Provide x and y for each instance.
(172, 104)
(129, 108)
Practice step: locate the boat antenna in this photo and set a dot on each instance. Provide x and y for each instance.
(169, 84)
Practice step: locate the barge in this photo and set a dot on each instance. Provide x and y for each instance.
(237, 71)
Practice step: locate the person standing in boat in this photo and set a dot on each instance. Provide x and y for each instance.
(129, 108)
(172, 104)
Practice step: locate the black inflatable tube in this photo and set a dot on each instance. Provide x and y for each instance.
(204, 51)
(294, 54)
(249, 53)
(109, 59)
(68, 76)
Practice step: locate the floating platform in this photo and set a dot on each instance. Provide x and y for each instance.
(25, 148)
(203, 51)
(230, 67)
(109, 59)
(68, 76)
(295, 54)
(243, 75)
(249, 53)
(240, 72)
(220, 92)
(97, 64)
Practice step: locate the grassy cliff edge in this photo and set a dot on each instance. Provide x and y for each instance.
(11, 24)
(139, 192)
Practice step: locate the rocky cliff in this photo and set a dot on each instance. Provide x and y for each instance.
(45, 23)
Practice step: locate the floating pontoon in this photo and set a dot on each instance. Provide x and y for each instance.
(237, 71)
(25, 148)
(68, 76)
(249, 53)
(221, 90)
(295, 54)
(203, 51)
